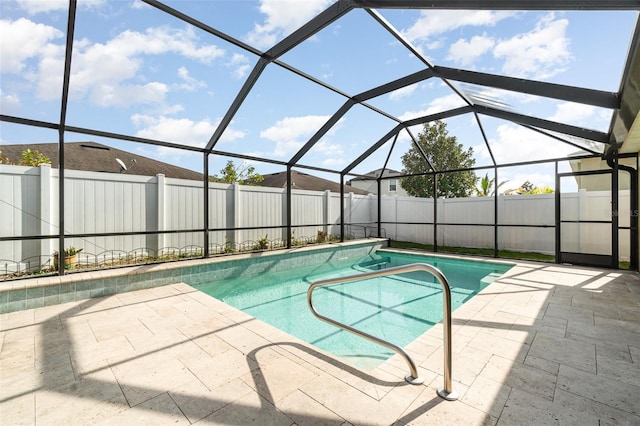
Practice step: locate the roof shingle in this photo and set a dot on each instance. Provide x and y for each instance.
(95, 157)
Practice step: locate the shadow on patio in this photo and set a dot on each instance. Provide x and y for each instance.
(542, 345)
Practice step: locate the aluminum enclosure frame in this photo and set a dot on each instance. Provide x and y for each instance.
(625, 102)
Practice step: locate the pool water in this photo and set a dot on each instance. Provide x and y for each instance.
(397, 308)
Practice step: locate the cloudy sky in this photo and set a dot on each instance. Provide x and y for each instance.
(138, 71)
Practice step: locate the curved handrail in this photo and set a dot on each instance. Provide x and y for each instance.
(446, 392)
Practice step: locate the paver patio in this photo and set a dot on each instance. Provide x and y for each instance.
(545, 344)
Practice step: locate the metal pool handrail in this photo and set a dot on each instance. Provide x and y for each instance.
(446, 392)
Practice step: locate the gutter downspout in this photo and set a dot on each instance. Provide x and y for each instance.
(608, 156)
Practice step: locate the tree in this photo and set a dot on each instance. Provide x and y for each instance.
(445, 153)
(486, 186)
(542, 190)
(529, 189)
(33, 158)
(243, 174)
(5, 160)
(526, 188)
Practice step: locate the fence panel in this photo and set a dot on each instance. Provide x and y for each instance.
(19, 213)
(109, 202)
(259, 207)
(466, 210)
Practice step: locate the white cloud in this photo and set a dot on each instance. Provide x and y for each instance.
(282, 18)
(435, 22)
(189, 83)
(572, 113)
(240, 65)
(138, 4)
(9, 103)
(124, 94)
(516, 177)
(403, 92)
(327, 148)
(327, 71)
(540, 53)
(181, 130)
(465, 53)
(516, 144)
(103, 72)
(44, 6)
(441, 104)
(165, 109)
(291, 133)
(160, 40)
(334, 162)
(23, 39)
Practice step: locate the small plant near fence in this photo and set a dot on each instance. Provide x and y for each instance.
(321, 237)
(70, 258)
(228, 246)
(262, 243)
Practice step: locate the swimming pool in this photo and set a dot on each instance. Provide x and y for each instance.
(395, 308)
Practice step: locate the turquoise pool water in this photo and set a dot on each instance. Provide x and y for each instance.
(396, 308)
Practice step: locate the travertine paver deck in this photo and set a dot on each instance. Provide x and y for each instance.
(545, 344)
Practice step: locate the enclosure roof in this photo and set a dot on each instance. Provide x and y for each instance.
(486, 97)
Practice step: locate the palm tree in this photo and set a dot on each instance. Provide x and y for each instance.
(486, 185)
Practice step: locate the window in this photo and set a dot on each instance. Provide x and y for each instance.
(392, 185)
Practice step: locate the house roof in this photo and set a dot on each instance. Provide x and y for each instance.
(95, 157)
(375, 174)
(305, 181)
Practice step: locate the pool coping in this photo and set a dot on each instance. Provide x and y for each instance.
(29, 293)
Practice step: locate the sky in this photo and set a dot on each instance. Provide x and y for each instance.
(138, 71)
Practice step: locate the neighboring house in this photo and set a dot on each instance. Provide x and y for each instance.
(95, 157)
(390, 186)
(600, 182)
(631, 145)
(307, 182)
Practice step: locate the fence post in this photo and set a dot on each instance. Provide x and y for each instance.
(237, 210)
(501, 218)
(441, 213)
(373, 204)
(161, 241)
(582, 204)
(327, 211)
(395, 219)
(46, 221)
(350, 211)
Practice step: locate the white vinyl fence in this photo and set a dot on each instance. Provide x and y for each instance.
(109, 203)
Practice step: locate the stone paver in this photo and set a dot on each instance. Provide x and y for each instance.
(545, 344)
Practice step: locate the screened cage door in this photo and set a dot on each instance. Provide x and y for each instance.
(586, 224)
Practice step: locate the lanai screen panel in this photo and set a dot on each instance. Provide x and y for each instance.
(216, 76)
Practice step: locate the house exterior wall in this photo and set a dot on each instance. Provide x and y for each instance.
(388, 187)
